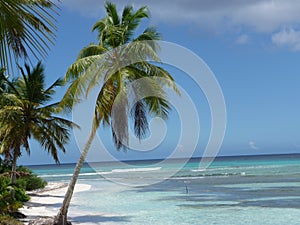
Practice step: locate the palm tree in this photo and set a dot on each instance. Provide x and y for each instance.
(119, 58)
(3, 92)
(26, 26)
(26, 114)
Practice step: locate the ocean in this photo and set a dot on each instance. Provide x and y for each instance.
(232, 190)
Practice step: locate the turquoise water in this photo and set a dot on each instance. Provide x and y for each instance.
(233, 190)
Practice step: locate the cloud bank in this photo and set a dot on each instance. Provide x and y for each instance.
(270, 17)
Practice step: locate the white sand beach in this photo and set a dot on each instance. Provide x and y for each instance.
(46, 203)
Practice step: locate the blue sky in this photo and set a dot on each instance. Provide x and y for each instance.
(252, 47)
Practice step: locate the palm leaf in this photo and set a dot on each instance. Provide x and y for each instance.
(26, 26)
(25, 114)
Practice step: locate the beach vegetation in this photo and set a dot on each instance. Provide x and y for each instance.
(26, 181)
(29, 113)
(7, 203)
(9, 220)
(120, 57)
(27, 30)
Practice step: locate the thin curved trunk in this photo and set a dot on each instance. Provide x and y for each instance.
(7, 159)
(14, 166)
(62, 216)
(14, 171)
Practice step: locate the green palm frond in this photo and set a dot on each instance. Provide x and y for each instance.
(139, 115)
(87, 76)
(104, 103)
(119, 121)
(25, 114)
(126, 14)
(81, 66)
(120, 58)
(51, 89)
(158, 107)
(146, 69)
(138, 52)
(149, 34)
(131, 20)
(26, 26)
(53, 133)
(112, 13)
(91, 50)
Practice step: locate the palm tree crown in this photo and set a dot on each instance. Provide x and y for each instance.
(121, 57)
(26, 113)
(116, 61)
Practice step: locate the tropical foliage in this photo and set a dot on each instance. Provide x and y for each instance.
(28, 113)
(117, 59)
(120, 58)
(8, 220)
(26, 181)
(26, 27)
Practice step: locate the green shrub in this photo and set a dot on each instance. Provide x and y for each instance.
(20, 195)
(34, 182)
(21, 183)
(7, 203)
(28, 180)
(8, 220)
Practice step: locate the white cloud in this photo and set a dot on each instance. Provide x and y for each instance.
(215, 16)
(243, 39)
(287, 38)
(260, 15)
(252, 145)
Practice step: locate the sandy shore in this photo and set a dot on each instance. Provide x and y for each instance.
(47, 201)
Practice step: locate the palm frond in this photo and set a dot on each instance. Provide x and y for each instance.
(112, 13)
(131, 20)
(146, 69)
(149, 36)
(139, 115)
(158, 107)
(26, 26)
(139, 51)
(80, 66)
(119, 121)
(51, 89)
(24, 114)
(122, 60)
(91, 50)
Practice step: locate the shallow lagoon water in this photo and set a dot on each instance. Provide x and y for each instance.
(233, 190)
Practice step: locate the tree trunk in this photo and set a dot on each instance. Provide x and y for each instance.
(14, 166)
(14, 171)
(7, 159)
(61, 218)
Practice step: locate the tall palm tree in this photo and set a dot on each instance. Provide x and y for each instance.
(3, 92)
(26, 26)
(119, 58)
(27, 113)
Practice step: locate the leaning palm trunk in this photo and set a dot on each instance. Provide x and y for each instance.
(14, 167)
(123, 58)
(14, 172)
(61, 218)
